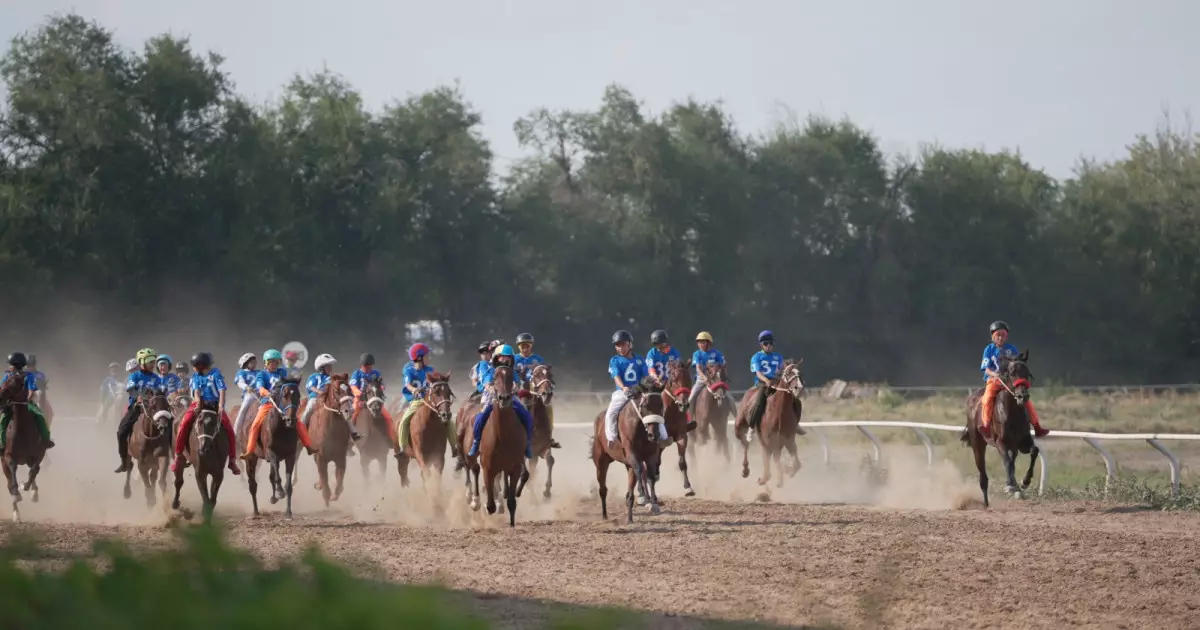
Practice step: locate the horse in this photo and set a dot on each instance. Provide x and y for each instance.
(179, 403)
(207, 451)
(713, 406)
(540, 388)
(277, 441)
(377, 441)
(1011, 430)
(780, 422)
(150, 443)
(24, 445)
(428, 430)
(330, 434)
(464, 422)
(675, 414)
(501, 449)
(638, 447)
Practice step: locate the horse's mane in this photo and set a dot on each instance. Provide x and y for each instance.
(438, 377)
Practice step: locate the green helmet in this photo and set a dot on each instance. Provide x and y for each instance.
(146, 356)
(272, 354)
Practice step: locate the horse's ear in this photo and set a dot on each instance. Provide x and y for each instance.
(447, 374)
(1024, 356)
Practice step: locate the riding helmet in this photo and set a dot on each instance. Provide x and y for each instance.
(202, 360)
(17, 360)
(272, 355)
(504, 351)
(766, 336)
(31, 360)
(657, 337)
(323, 360)
(146, 355)
(704, 336)
(524, 338)
(997, 325)
(484, 346)
(495, 343)
(165, 358)
(417, 351)
(621, 336)
(246, 359)
(366, 358)
(180, 366)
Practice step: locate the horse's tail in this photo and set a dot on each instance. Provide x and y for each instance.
(966, 436)
(591, 445)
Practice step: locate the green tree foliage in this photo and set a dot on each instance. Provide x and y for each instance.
(135, 177)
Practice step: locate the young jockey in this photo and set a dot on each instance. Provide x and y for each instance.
(703, 359)
(358, 383)
(144, 379)
(291, 359)
(659, 355)
(502, 356)
(526, 360)
(265, 383)
(990, 367)
(207, 384)
(246, 380)
(185, 375)
(765, 364)
(416, 378)
(16, 369)
(626, 370)
(171, 382)
(42, 383)
(481, 368)
(316, 383)
(110, 389)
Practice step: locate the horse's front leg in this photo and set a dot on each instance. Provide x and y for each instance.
(549, 474)
(10, 473)
(766, 464)
(290, 466)
(339, 476)
(32, 483)
(979, 448)
(1010, 470)
(202, 483)
(740, 434)
(276, 483)
(179, 486)
(683, 467)
(1033, 456)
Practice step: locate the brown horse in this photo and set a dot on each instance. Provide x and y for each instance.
(541, 391)
(639, 448)
(501, 449)
(179, 403)
(277, 441)
(428, 431)
(150, 443)
(675, 413)
(711, 411)
(24, 445)
(464, 422)
(780, 422)
(1011, 431)
(376, 442)
(330, 435)
(206, 451)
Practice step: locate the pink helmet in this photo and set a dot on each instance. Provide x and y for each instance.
(418, 351)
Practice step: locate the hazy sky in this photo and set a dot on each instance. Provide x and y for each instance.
(1055, 78)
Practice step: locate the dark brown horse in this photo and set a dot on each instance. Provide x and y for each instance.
(501, 449)
(179, 403)
(278, 442)
(330, 435)
(711, 411)
(376, 442)
(638, 447)
(1010, 428)
(24, 445)
(206, 451)
(150, 443)
(541, 391)
(675, 412)
(428, 430)
(780, 422)
(464, 422)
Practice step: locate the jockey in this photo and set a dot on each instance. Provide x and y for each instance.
(207, 384)
(42, 389)
(265, 382)
(702, 359)
(481, 368)
(109, 389)
(319, 379)
(526, 360)
(416, 379)
(358, 383)
(765, 365)
(291, 359)
(246, 380)
(171, 382)
(502, 356)
(184, 374)
(142, 380)
(16, 369)
(659, 355)
(991, 374)
(627, 371)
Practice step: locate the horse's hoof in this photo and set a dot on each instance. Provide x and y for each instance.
(762, 482)
(546, 494)
(491, 508)
(475, 505)
(128, 492)
(175, 504)
(317, 486)
(16, 497)
(745, 473)
(654, 510)
(689, 493)
(274, 499)
(35, 496)
(1011, 489)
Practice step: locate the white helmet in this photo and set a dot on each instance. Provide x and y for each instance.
(246, 357)
(323, 360)
(131, 365)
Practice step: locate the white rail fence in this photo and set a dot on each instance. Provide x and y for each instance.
(1155, 440)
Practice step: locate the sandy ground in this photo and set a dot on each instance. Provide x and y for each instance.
(827, 548)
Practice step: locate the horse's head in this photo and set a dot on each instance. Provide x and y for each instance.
(180, 402)
(648, 397)
(440, 397)
(373, 394)
(541, 383)
(336, 395)
(287, 400)
(209, 423)
(791, 377)
(1015, 371)
(14, 390)
(155, 406)
(716, 382)
(502, 382)
(679, 382)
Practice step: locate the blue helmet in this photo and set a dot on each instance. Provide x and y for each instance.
(503, 351)
(766, 336)
(165, 358)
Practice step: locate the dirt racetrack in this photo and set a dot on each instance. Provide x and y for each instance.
(921, 556)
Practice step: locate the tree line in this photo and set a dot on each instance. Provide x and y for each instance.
(140, 180)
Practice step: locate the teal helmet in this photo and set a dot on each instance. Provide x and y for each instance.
(272, 354)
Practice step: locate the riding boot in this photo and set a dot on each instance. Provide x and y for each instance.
(124, 430)
(691, 424)
(754, 418)
(797, 406)
(179, 463)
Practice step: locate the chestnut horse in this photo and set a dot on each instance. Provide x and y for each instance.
(376, 442)
(330, 435)
(24, 445)
(150, 443)
(638, 447)
(501, 449)
(207, 451)
(541, 391)
(711, 411)
(675, 413)
(429, 430)
(1010, 426)
(277, 441)
(780, 422)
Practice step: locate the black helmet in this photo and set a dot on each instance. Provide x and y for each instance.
(622, 335)
(524, 338)
(180, 366)
(17, 360)
(202, 360)
(998, 325)
(657, 337)
(31, 360)
(484, 346)
(495, 343)
(366, 358)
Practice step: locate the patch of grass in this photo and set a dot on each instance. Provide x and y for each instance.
(1128, 490)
